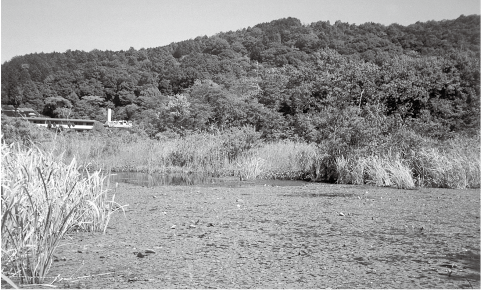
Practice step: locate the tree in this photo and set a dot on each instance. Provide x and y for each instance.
(17, 98)
(90, 107)
(56, 106)
(216, 45)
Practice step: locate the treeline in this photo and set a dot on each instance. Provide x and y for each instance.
(344, 82)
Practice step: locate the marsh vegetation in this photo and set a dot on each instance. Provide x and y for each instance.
(54, 183)
(363, 105)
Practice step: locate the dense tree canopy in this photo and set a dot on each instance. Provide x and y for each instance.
(287, 79)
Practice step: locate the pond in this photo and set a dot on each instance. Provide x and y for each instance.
(152, 180)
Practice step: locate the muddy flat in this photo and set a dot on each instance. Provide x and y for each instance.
(308, 236)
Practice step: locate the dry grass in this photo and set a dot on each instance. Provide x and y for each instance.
(450, 169)
(198, 152)
(42, 199)
(399, 173)
(453, 163)
(288, 159)
(351, 172)
(380, 171)
(249, 166)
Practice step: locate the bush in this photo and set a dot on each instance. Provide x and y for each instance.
(99, 128)
(17, 130)
(238, 140)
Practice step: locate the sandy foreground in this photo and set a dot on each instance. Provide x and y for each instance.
(313, 235)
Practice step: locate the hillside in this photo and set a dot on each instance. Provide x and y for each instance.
(286, 79)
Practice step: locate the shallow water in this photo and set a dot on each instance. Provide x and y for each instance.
(153, 180)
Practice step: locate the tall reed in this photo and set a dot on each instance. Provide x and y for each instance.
(438, 168)
(42, 199)
(454, 163)
(402, 157)
(249, 166)
(386, 170)
(289, 159)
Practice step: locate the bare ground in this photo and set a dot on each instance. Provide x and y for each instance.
(255, 236)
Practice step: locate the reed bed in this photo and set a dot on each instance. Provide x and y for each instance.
(249, 166)
(284, 160)
(219, 153)
(199, 152)
(376, 170)
(239, 151)
(436, 168)
(42, 200)
(454, 163)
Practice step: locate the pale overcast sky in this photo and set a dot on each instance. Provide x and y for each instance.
(30, 26)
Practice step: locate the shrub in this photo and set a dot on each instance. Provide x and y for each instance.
(99, 128)
(17, 130)
(238, 140)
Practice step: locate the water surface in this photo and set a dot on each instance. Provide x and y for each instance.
(151, 180)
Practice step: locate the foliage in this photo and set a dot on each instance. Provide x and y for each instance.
(280, 77)
(352, 90)
(239, 140)
(16, 130)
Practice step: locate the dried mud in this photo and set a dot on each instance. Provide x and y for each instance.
(255, 236)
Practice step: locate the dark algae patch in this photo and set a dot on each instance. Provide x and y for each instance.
(308, 236)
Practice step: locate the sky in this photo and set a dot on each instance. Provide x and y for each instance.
(34, 26)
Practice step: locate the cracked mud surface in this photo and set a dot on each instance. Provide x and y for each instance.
(308, 236)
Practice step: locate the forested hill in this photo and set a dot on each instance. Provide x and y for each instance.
(285, 78)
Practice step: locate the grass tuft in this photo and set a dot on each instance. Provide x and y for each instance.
(376, 170)
(42, 200)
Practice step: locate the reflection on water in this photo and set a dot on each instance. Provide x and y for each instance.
(146, 179)
(151, 180)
